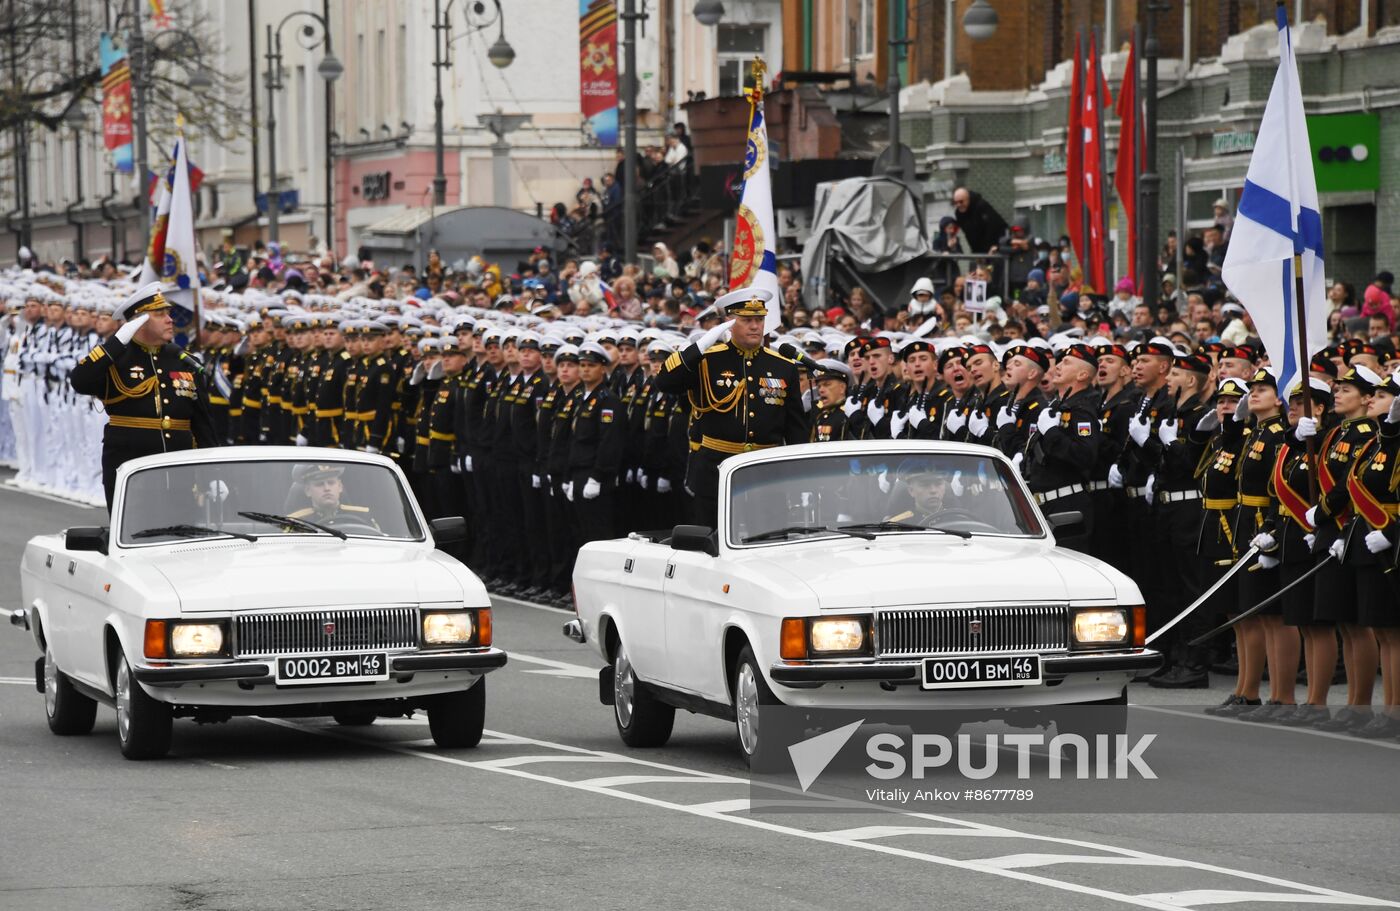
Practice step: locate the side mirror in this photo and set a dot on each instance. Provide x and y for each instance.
(448, 529)
(1063, 519)
(86, 537)
(699, 538)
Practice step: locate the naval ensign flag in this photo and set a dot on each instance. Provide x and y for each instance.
(1279, 222)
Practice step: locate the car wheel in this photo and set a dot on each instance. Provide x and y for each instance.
(457, 719)
(70, 712)
(751, 697)
(642, 719)
(143, 723)
(354, 719)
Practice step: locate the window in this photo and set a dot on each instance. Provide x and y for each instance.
(738, 45)
(861, 16)
(401, 70)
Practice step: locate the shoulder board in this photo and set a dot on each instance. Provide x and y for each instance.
(349, 508)
(779, 356)
(300, 513)
(380, 363)
(722, 346)
(345, 355)
(1365, 427)
(907, 514)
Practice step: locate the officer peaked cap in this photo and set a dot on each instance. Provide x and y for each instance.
(146, 299)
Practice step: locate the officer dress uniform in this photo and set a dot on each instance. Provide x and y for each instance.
(598, 436)
(1112, 531)
(326, 423)
(741, 400)
(532, 556)
(1258, 507)
(562, 531)
(378, 395)
(1335, 586)
(155, 397)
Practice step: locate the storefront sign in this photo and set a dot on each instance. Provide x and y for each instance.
(1346, 151)
(375, 185)
(1053, 162)
(1231, 143)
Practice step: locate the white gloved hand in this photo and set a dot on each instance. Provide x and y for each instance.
(1046, 420)
(592, 489)
(301, 440)
(663, 485)
(128, 330)
(714, 335)
(956, 485)
(1376, 541)
(1310, 516)
(917, 416)
(1307, 428)
(1115, 477)
(898, 421)
(1310, 540)
(401, 444)
(977, 424)
(1337, 548)
(535, 481)
(1263, 541)
(1016, 461)
(467, 464)
(1140, 429)
(850, 407)
(1208, 422)
(372, 450)
(1267, 562)
(1151, 483)
(956, 420)
(1167, 431)
(875, 413)
(1005, 417)
(568, 488)
(1242, 409)
(218, 491)
(883, 479)
(1393, 415)
(641, 479)
(631, 474)
(455, 467)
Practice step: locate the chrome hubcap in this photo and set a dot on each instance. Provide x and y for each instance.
(624, 685)
(746, 709)
(50, 683)
(124, 701)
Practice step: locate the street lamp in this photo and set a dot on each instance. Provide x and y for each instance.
(708, 12)
(501, 54)
(980, 20)
(329, 69)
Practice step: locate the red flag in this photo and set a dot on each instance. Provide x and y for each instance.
(1095, 99)
(1074, 158)
(1125, 171)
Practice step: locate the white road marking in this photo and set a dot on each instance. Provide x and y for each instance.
(1272, 727)
(1021, 861)
(722, 811)
(210, 762)
(556, 668)
(18, 681)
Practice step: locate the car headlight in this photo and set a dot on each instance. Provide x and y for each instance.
(1109, 626)
(837, 634)
(457, 627)
(196, 640)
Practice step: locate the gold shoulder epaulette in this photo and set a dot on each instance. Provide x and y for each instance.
(722, 346)
(349, 508)
(345, 355)
(300, 513)
(907, 514)
(1365, 427)
(380, 363)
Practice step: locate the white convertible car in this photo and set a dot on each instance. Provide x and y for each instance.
(258, 581)
(864, 575)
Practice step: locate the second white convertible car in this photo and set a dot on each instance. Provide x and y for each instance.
(890, 575)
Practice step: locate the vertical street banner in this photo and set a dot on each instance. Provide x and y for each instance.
(1276, 244)
(116, 104)
(597, 82)
(1095, 98)
(1074, 158)
(170, 256)
(1126, 170)
(754, 263)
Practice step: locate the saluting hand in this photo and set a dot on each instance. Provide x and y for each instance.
(129, 330)
(714, 335)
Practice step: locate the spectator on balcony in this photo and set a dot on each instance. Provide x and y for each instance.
(676, 152)
(588, 198)
(979, 222)
(681, 133)
(665, 266)
(1377, 303)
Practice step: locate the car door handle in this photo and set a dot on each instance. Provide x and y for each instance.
(72, 566)
(627, 565)
(48, 562)
(670, 570)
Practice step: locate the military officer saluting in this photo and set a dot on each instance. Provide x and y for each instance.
(744, 396)
(154, 393)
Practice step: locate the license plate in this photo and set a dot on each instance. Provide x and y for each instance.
(953, 672)
(353, 668)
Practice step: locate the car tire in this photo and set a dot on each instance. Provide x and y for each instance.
(354, 719)
(642, 719)
(456, 720)
(70, 713)
(751, 697)
(143, 724)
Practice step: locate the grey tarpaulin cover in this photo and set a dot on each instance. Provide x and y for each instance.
(876, 223)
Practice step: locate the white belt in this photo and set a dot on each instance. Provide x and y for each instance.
(1099, 485)
(1178, 496)
(1059, 492)
(1135, 491)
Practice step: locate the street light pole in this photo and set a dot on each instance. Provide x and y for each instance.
(138, 88)
(439, 40)
(330, 115)
(271, 80)
(1149, 184)
(894, 167)
(629, 146)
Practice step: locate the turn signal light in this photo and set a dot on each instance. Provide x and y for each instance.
(1139, 626)
(156, 639)
(793, 642)
(483, 627)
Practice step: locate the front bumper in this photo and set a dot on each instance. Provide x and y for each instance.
(250, 674)
(1056, 667)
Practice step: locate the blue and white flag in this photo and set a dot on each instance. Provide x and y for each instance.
(753, 262)
(1279, 218)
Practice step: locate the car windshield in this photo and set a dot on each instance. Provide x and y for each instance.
(266, 498)
(892, 493)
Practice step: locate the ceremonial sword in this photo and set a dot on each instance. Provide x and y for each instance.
(1265, 603)
(1229, 574)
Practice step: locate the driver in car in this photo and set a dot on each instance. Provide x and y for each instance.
(322, 486)
(928, 486)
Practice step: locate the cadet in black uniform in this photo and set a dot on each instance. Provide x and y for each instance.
(743, 396)
(1024, 366)
(884, 394)
(562, 545)
(532, 562)
(1060, 449)
(153, 392)
(829, 421)
(662, 505)
(595, 449)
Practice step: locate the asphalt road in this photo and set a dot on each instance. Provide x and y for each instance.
(553, 811)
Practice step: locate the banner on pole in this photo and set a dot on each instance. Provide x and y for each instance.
(597, 82)
(116, 104)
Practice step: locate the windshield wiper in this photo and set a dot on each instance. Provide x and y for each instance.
(192, 530)
(805, 529)
(907, 526)
(274, 519)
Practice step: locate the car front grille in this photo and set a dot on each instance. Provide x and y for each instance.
(287, 633)
(959, 630)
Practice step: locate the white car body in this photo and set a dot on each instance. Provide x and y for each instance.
(683, 614)
(360, 595)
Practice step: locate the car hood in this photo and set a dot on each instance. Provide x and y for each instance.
(314, 573)
(895, 572)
